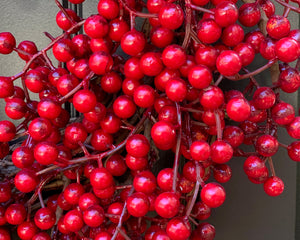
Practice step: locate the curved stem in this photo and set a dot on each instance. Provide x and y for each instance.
(201, 9)
(118, 228)
(136, 13)
(218, 125)
(295, 9)
(195, 195)
(271, 166)
(74, 90)
(188, 13)
(219, 80)
(177, 151)
(257, 71)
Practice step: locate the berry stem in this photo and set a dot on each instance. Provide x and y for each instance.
(85, 151)
(196, 190)
(295, 9)
(270, 161)
(74, 90)
(136, 13)
(283, 145)
(220, 78)
(41, 199)
(218, 125)
(257, 71)
(48, 61)
(201, 9)
(187, 109)
(193, 221)
(118, 228)
(124, 234)
(177, 151)
(123, 187)
(48, 35)
(188, 20)
(64, 12)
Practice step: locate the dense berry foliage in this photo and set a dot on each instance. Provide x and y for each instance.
(138, 89)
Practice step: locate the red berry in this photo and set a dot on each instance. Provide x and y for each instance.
(44, 218)
(274, 186)
(167, 204)
(133, 42)
(213, 195)
(138, 204)
(163, 135)
(171, 16)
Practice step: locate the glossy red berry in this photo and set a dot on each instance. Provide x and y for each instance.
(213, 195)
(264, 98)
(7, 131)
(27, 230)
(278, 26)
(283, 113)
(108, 8)
(145, 182)
(15, 214)
(266, 145)
(94, 216)
(144, 96)
(96, 26)
(46, 153)
(238, 109)
(254, 167)
(124, 107)
(100, 62)
(73, 220)
(64, 50)
(26, 180)
(163, 135)
(44, 218)
(138, 204)
(287, 49)
(133, 42)
(226, 13)
(200, 151)
(101, 178)
(178, 229)
(7, 42)
(171, 16)
(167, 204)
(151, 63)
(200, 76)
(204, 231)
(229, 63)
(116, 165)
(176, 89)
(249, 14)
(211, 97)
(274, 186)
(75, 132)
(294, 151)
(137, 145)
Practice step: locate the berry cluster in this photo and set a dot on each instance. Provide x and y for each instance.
(139, 91)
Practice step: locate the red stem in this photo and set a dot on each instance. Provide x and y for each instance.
(118, 228)
(177, 151)
(136, 13)
(196, 190)
(257, 71)
(188, 20)
(295, 9)
(218, 125)
(201, 9)
(270, 161)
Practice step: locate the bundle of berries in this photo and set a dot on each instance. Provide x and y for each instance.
(141, 92)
